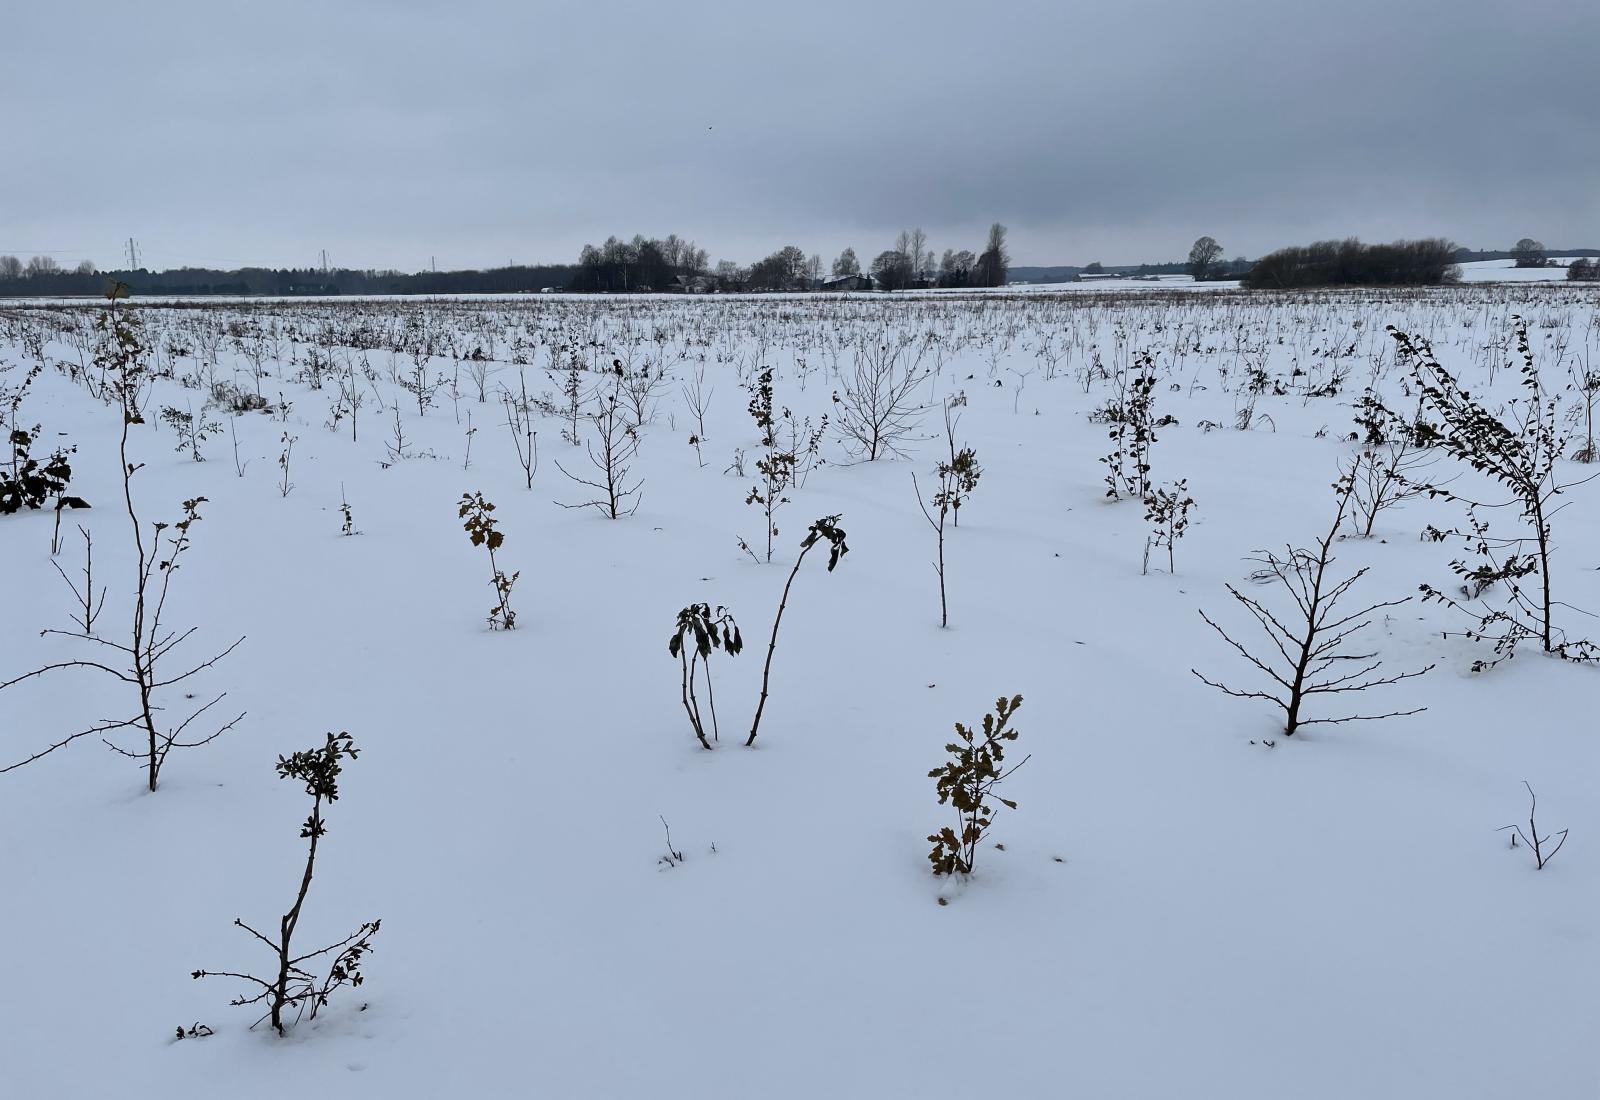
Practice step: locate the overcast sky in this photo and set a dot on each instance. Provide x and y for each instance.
(389, 131)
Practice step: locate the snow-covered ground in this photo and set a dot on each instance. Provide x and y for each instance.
(1178, 910)
(1506, 271)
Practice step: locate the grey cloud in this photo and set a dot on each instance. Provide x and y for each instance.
(475, 132)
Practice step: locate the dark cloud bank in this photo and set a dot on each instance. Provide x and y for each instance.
(476, 133)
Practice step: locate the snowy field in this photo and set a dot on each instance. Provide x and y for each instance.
(1185, 902)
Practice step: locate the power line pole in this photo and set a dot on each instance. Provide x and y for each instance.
(324, 261)
(133, 255)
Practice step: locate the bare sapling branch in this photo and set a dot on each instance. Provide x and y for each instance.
(1310, 652)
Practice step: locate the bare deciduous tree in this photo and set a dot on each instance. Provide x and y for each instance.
(995, 261)
(1309, 654)
(615, 443)
(1203, 258)
(879, 405)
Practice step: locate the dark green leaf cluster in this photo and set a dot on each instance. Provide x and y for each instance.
(761, 405)
(29, 483)
(1518, 448)
(1132, 433)
(710, 631)
(319, 768)
(827, 528)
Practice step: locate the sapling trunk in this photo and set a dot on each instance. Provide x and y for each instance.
(824, 528)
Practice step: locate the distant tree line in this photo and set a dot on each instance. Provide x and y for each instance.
(1468, 255)
(621, 266)
(1427, 262)
(670, 264)
(910, 264)
(42, 277)
(1584, 270)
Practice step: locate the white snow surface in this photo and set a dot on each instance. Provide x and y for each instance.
(1177, 910)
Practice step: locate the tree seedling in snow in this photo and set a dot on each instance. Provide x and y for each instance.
(879, 407)
(1520, 452)
(827, 530)
(294, 987)
(480, 526)
(1132, 432)
(1167, 511)
(957, 479)
(190, 429)
(616, 443)
(964, 468)
(673, 856)
(967, 781)
(348, 528)
(1315, 659)
(1532, 838)
(1392, 464)
(30, 483)
(699, 631)
(519, 422)
(121, 358)
(88, 605)
(285, 486)
(776, 466)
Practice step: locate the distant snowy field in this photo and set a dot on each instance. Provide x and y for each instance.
(1177, 910)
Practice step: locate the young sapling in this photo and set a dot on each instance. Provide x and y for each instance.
(482, 528)
(967, 781)
(293, 986)
(699, 631)
(827, 530)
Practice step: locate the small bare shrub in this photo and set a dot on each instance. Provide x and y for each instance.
(1309, 655)
(1531, 838)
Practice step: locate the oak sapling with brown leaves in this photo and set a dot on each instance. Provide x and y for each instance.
(967, 781)
(699, 631)
(482, 529)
